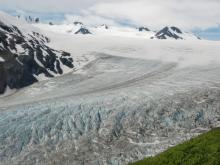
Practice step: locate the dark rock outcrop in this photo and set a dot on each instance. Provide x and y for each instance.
(175, 29)
(105, 26)
(77, 23)
(83, 30)
(141, 29)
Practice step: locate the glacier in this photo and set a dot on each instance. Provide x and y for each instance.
(113, 111)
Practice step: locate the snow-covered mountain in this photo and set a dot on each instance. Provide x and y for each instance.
(29, 19)
(25, 55)
(78, 27)
(83, 30)
(167, 33)
(101, 30)
(173, 33)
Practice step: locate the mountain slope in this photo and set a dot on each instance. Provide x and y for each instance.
(202, 150)
(25, 56)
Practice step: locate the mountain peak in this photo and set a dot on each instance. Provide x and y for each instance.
(169, 32)
(77, 23)
(173, 32)
(141, 29)
(83, 30)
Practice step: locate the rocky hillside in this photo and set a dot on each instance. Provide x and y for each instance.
(25, 56)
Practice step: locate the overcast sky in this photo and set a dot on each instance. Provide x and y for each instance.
(187, 14)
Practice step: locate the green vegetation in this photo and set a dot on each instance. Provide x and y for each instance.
(202, 150)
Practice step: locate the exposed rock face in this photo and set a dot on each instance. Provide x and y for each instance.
(77, 23)
(141, 29)
(169, 32)
(83, 30)
(26, 56)
(175, 29)
(51, 23)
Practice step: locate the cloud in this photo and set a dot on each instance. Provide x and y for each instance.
(48, 5)
(89, 19)
(187, 14)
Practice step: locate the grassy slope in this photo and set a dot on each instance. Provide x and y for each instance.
(202, 150)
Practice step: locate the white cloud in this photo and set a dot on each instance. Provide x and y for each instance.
(156, 13)
(188, 14)
(89, 19)
(48, 5)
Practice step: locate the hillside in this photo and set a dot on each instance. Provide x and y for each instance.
(202, 150)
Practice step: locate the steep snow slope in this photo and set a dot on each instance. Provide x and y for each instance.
(26, 56)
(136, 98)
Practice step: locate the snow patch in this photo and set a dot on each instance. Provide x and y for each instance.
(8, 92)
(1, 59)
